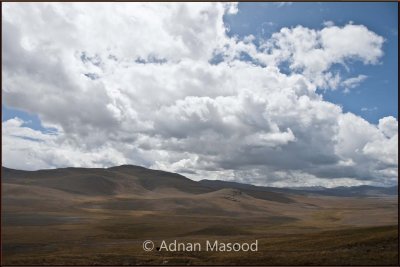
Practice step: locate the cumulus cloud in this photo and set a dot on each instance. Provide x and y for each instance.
(25, 148)
(388, 126)
(313, 52)
(136, 83)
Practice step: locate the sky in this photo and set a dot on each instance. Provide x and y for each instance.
(278, 94)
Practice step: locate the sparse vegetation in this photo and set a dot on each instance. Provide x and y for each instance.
(49, 223)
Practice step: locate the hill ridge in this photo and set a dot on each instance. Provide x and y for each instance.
(151, 179)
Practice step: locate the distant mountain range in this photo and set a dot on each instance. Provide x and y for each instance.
(343, 191)
(109, 181)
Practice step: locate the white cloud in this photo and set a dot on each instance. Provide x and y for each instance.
(300, 179)
(389, 126)
(132, 83)
(328, 23)
(375, 154)
(313, 52)
(282, 4)
(365, 109)
(383, 150)
(25, 148)
(231, 8)
(353, 82)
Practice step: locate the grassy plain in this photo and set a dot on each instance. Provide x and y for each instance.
(49, 225)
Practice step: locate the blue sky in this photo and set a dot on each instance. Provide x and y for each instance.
(377, 96)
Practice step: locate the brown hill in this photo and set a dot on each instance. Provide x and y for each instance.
(101, 216)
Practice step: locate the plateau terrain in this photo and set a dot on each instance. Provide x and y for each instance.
(82, 216)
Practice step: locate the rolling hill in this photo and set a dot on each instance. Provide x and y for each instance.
(101, 216)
